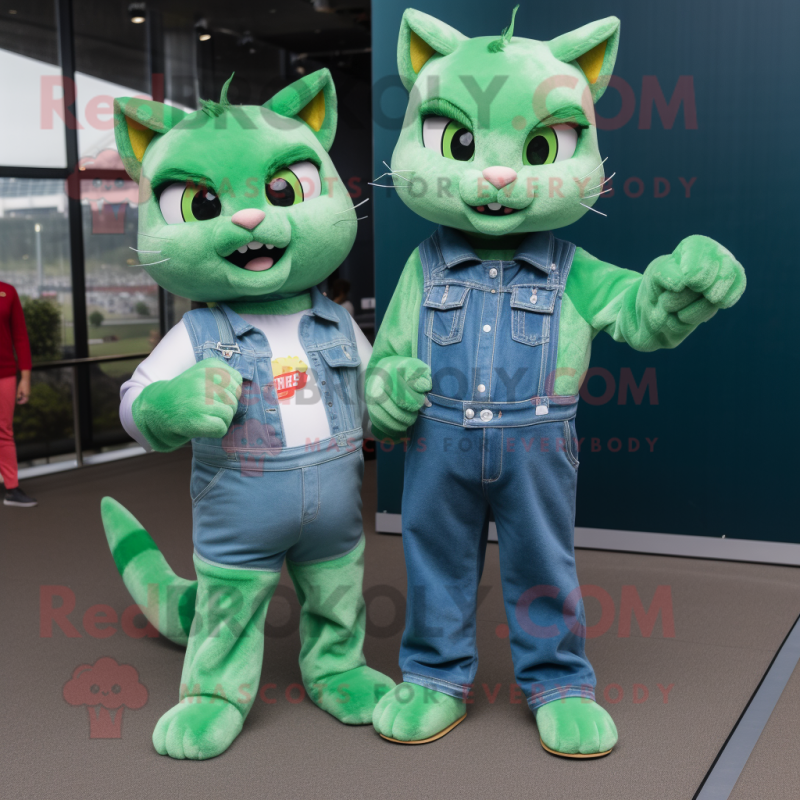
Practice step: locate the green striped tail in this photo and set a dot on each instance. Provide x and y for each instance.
(166, 600)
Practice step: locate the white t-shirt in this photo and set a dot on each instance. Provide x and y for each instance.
(302, 411)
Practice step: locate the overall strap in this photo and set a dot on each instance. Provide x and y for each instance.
(430, 255)
(227, 344)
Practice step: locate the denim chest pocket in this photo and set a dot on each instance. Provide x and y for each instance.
(531, 311)
(342, 359)
(447, 308)
(341, 355)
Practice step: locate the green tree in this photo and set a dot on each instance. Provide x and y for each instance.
(142, 309)
(43, 320)
(96, 319)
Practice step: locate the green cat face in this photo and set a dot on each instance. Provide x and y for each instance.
(238, 202)
(499, 134)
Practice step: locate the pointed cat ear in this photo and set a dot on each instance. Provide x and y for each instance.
(136, 122)
(312, 100)
(421, 38)
(594, 48)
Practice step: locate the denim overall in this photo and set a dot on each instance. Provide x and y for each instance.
(493, 435)
(254, 500)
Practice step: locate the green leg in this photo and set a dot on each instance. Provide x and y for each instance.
(576, 727)
(166, 600)
(414, 714)
(332, 625)
(222, 668)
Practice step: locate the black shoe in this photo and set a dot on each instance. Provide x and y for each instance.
(16, 497)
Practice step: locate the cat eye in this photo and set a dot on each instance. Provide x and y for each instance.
(548, 145)
(188, 202)
(292, 185)
(449, 138)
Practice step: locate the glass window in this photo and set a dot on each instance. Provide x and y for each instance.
(105, 381)
(44, 426)
(121, 298)
(34, 259)
(110, 61)
(33, 135)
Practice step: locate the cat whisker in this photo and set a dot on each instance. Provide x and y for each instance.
(355, 206)
(403, 177)
(150, 236)
(595, 169)
(150, 263)
(589, 196)
(357, 219)
(143, 251)
(396, 170)
(595, 210)
(602, 182)
(385, 186)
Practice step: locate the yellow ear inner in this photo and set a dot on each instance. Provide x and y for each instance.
(314, 113)
(420, 52)
(139, 137)
(591, 62)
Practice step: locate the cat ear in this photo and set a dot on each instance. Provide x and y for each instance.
(312, 100)
(421, 38)
(136, 122)
(594, 48)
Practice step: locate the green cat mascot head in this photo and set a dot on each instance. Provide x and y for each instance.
(238, 202)
(499, 136)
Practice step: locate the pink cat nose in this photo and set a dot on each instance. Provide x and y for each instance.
(248, 218)
(499, 176)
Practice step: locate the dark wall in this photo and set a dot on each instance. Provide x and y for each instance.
(720, 462)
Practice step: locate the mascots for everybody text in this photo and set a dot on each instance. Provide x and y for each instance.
(242, 208)
(482, 352)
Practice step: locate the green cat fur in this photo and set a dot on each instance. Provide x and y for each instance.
(333, 617)
(505, 90)
(232, 151)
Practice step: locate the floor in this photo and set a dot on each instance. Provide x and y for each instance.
(675, 685)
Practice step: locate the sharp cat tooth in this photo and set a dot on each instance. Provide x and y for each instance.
(243, 248)
(495, 206)
(269, 246)
(254, 245)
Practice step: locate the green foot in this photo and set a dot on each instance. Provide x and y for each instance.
(575, 726)
(197, 730)
(351, 696)
(415, 714)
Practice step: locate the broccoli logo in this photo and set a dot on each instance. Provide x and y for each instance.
(106, 688)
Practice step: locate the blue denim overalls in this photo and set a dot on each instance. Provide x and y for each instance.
(255, 500)
(493, 436)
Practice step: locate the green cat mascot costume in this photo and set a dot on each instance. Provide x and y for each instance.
(241, 207)
(482, 352)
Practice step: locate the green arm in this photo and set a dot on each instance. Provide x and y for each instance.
(660, 308)
(398, 333)
(396, 379)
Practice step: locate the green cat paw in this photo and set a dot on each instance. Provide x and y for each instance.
(395, 393)
(351, 696)
(415, 714)
(197, 730)
(574, 726)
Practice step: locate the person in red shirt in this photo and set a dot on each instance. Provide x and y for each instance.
(13, 340)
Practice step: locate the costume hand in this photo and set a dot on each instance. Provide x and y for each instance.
(395, 392)
(699, 278)
(23, 391)
(200, 402)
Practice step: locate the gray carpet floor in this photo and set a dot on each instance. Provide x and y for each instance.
(729, 619)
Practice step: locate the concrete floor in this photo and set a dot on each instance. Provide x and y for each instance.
(729, 619)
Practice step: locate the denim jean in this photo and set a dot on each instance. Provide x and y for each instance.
(485, 442)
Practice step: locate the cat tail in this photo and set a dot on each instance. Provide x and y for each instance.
(166, 600)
